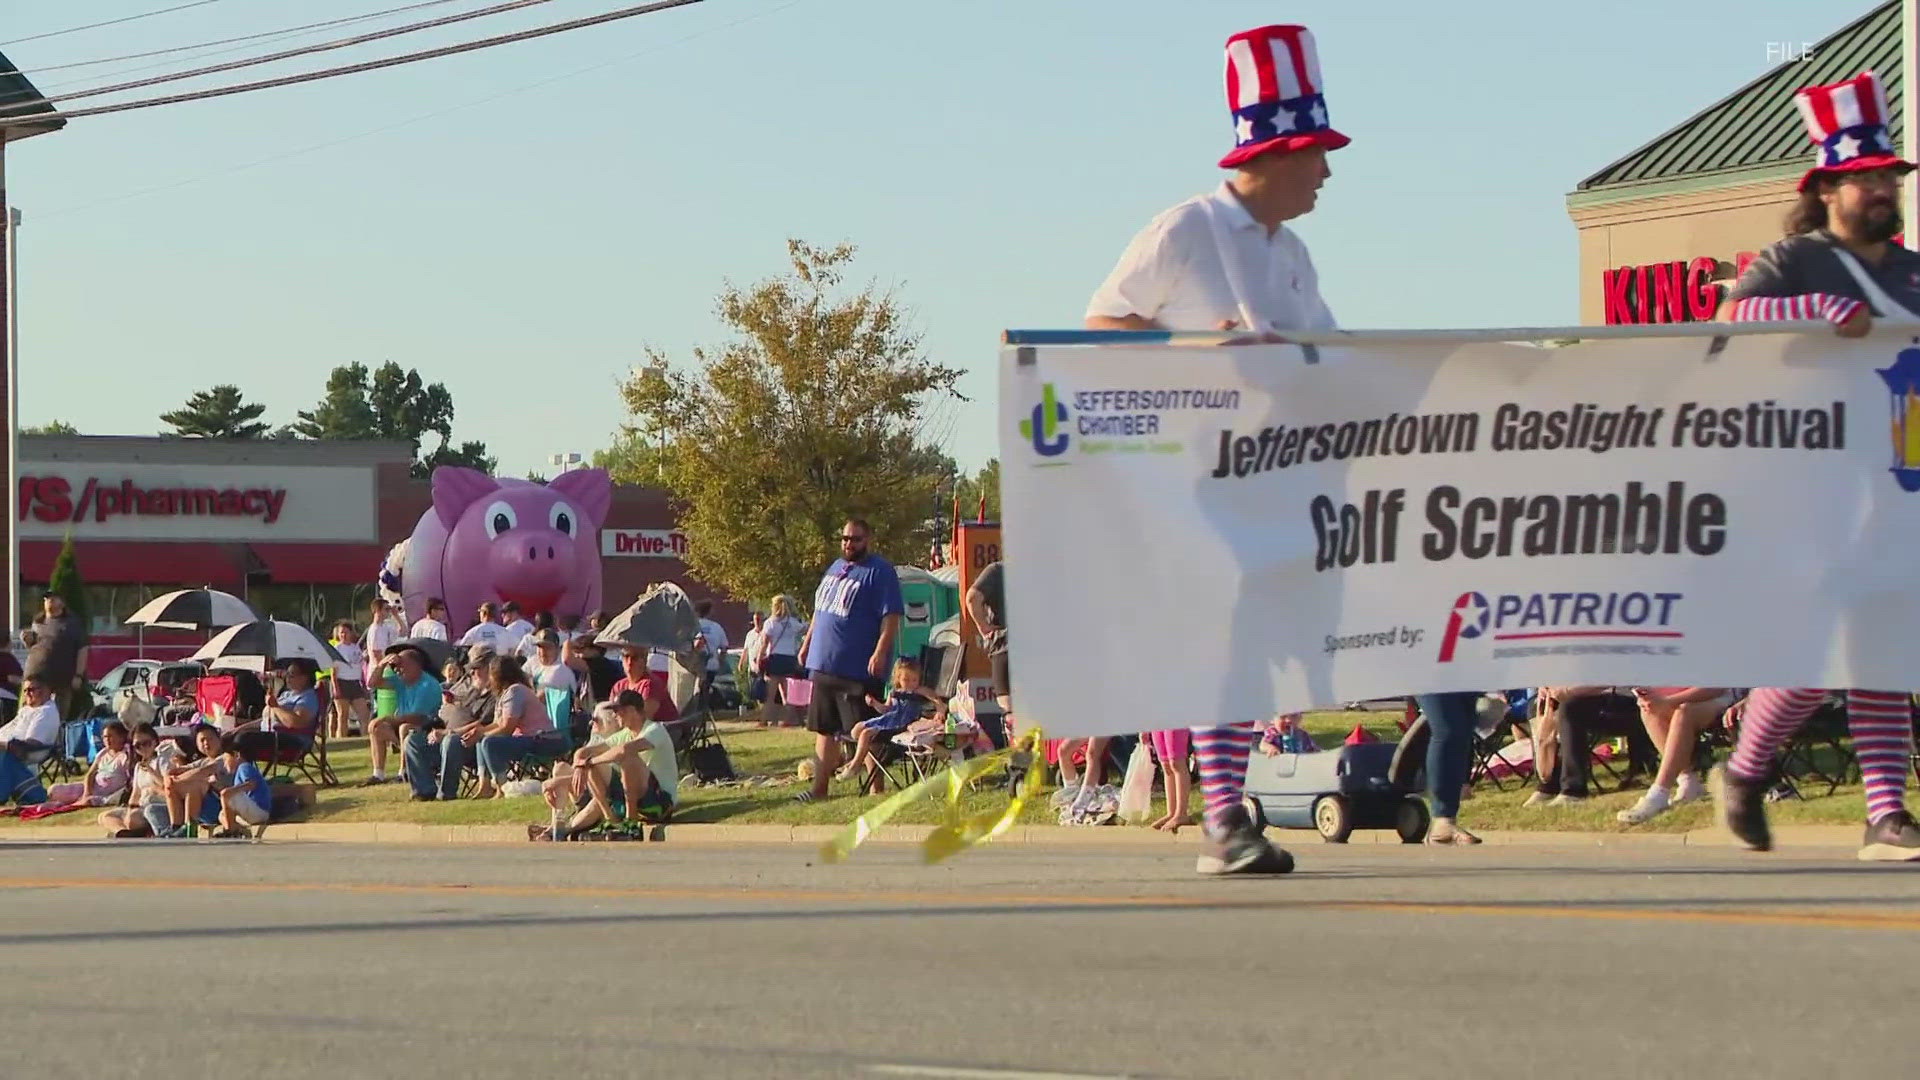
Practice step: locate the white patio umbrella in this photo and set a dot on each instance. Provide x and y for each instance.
(191, 609)
(194, 609)
(267, 643)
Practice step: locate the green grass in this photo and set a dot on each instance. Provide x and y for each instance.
(757, 751)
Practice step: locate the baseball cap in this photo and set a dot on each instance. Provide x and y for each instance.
(546, 637)
(478, 652)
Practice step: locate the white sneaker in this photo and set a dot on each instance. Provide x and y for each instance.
(1651, 805)
(1691, 789)
(1564, 799)
(1537, 799)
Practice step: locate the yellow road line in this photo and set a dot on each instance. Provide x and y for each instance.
(1889, 919)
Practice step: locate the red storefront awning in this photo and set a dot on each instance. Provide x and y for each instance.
(130, 562)
(321, 564)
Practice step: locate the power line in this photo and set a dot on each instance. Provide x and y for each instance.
(416, 119)
(109, 22)
(288, 32)
(351, 69)
(324, 46)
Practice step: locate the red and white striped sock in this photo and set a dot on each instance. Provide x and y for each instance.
(1222, 753)
(1772, 715)
(1882, 725)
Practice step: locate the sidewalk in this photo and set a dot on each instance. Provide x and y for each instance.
(1791, 836)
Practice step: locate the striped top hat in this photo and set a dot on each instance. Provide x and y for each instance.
(1274, 91)
(1848, 122)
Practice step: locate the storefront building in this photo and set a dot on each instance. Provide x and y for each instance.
(298, 529)
(1667, 229)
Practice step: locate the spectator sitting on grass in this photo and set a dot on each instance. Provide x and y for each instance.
(107, 778)
(903, 707)
(190, 786)
(245, 801)
(33, 729)
(633, 764)
(146, 809)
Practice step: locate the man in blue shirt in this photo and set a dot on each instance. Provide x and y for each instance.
(417, 703)
(848, 647)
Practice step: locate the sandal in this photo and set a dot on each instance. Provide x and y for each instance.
(804, 797)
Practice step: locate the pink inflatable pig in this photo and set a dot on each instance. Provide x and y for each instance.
(488, 538)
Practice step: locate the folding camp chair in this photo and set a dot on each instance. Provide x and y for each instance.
(308, 757)
(1490, 744)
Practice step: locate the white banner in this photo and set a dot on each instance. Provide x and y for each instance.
(157, 501)
(1205, 534)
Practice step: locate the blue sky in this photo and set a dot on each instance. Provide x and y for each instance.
(989, 157)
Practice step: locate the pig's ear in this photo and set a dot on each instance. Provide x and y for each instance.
(455, 489)
(589, 489)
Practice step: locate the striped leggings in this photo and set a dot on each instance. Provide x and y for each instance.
(1222, 754)
(1881, 722)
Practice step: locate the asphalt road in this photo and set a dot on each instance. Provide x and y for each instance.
(291, 961)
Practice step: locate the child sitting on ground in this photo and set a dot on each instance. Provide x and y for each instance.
(191, 786)
(106, 778)
(906, 705)
(245, 802)
(146, 810)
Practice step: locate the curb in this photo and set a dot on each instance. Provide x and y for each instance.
(1790, 836)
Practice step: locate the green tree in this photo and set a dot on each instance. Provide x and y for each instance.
(219, 413)
(53, 427)
(632, 460)
(65, 580)
(391, 402)
(971, 488)
(809, 415)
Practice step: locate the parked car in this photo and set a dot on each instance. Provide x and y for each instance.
(154, 682)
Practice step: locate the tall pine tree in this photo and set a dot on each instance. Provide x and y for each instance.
(219, 413)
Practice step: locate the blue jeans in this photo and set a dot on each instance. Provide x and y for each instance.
(427, 761)
(497, 752)
(20, 782)
(1450, 721)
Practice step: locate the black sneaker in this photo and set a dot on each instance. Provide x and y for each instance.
(1741, 807)
(1238, 848)
(1894, 838)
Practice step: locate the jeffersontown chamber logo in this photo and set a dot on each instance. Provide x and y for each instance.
(1563, 622)
(1043, 427)
(1117, 420)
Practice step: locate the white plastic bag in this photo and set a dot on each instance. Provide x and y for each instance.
(1136, 791)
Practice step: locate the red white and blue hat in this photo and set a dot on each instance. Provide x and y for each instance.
(1848, 122)
(1274, 91)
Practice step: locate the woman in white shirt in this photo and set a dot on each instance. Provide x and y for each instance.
(350, 703)
(780, 658)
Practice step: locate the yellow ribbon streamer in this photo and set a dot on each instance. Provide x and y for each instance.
(956, 832)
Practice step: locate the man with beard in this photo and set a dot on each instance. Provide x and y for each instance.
(1837, 263)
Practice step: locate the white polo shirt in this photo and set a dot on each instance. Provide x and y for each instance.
(1173, 272)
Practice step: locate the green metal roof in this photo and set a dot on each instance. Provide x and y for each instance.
(1755, 132)
(19, 97)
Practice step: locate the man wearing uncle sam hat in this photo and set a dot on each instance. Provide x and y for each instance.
(1226, 261)
(1837, 263)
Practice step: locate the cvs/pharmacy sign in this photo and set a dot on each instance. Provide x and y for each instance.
(644, 543)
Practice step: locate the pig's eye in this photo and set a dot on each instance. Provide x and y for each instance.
(562, 518)
(499, 518)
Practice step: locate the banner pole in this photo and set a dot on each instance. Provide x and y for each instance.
(1491, 336)
(1909, 61)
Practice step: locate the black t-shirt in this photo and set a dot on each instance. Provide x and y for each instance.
(993, 589)
(1808, 264)
(602, 673)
